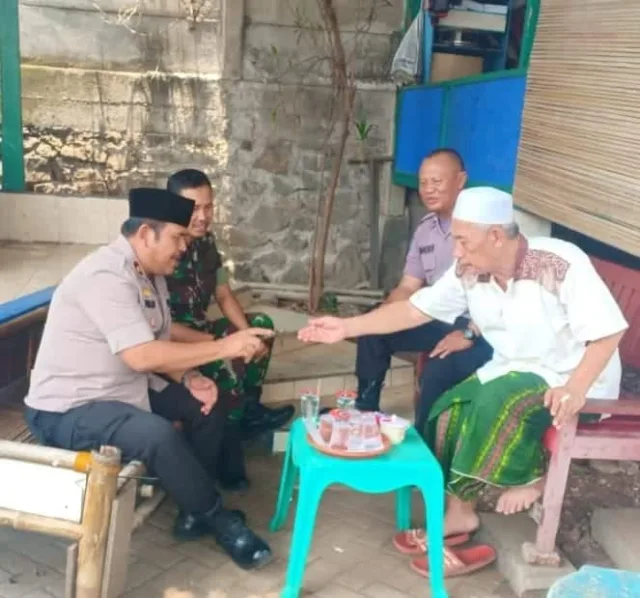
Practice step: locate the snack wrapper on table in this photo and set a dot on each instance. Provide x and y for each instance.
(354, 431)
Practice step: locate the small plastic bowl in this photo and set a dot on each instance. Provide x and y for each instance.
(394, 428)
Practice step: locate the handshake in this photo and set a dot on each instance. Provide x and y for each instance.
(250, 343)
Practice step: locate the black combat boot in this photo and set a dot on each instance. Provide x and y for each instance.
(259, 419)
(246, 549)
(192, 527)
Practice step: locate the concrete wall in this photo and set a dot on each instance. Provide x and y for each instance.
(110, 103)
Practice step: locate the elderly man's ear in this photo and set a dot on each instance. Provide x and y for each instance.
(462, 180)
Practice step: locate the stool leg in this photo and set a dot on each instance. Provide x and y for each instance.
(308, 501)
(403, 508)
(287, 481)
(434, 501)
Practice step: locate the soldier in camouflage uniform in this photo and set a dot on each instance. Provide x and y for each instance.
(199, 277)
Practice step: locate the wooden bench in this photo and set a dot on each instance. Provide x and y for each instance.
(21, 324)
(616, 438)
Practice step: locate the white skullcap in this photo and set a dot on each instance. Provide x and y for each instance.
(484, 205)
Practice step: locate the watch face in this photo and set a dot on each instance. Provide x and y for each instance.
(468, 334)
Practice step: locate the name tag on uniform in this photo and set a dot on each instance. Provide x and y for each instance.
(150, 303)
(427, 249)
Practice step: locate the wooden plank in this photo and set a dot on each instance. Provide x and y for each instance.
(119, 540)
(620, 407)
(70, 571)
(606, 447)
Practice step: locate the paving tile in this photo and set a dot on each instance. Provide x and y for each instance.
(41, 549)
(258, 583)
(17, 564)
(27, 576)
(204, 553)
(357, 577)
(336, 590)
(150, 533)
(158, 556)
(185, 575)
(319, 573)
(381, 590)
(139, 573)
(223, 577)
(38, 594)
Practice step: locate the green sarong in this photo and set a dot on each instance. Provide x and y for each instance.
(490, 433)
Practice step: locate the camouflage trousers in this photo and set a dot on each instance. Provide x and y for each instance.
(235, 377)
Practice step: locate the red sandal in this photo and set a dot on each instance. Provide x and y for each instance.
(459, 561)
(414, 541)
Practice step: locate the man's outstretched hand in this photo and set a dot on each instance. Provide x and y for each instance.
(327, 330)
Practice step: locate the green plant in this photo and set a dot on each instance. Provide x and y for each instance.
(329, 303)
(363, 128)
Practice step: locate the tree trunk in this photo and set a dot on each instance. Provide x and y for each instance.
(316, 279)
(346, 91)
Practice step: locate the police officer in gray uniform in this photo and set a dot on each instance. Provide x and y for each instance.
(95, 380)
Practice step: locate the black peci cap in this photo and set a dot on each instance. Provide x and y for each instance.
(160, 205)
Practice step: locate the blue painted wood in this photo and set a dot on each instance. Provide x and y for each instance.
(25, 304)
(419, 116)
(484, 120)
(480, 117)
(597, 582)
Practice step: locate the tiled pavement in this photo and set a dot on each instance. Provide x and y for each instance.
(351, 555)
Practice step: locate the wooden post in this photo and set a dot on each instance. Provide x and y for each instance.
(119, 539)
(102, 484)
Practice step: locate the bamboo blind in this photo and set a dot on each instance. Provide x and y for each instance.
(579, 154)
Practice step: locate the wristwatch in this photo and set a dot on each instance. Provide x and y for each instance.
(469, 334)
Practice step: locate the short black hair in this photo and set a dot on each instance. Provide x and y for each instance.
(189, 178)
(132, 225)
(447, 151)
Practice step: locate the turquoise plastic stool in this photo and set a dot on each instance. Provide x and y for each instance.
(405, 465)
(597, 582)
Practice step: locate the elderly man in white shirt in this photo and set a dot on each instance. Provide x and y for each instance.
(555, 329)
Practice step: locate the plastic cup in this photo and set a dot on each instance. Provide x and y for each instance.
(310, 407)
(355, 433)
(340, 436)
(326, 426)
